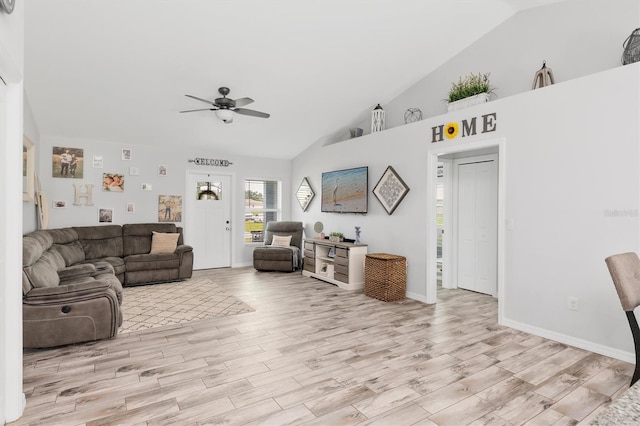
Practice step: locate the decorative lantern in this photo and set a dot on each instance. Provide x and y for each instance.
(631, 46)
(377, 119)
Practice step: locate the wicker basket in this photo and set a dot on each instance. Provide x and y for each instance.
(385, 276)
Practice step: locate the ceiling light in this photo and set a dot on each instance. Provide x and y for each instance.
(225, 115)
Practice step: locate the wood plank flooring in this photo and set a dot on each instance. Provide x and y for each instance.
(312, 353)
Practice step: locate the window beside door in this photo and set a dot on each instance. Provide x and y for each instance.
(262, 205)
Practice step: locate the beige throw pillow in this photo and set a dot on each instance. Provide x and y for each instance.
(164, 243)
(281, 241)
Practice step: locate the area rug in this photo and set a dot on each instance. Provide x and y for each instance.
(158, 305)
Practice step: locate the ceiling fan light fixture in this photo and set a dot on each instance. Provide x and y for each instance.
(225, 115)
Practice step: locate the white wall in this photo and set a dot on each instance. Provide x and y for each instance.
(147, 158)
(571, 159)
(576, 38)
(11, 69)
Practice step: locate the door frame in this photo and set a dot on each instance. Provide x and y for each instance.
(432, 170)
(452, 239)
(232, 191)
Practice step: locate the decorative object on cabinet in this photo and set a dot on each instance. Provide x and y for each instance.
(412, 115)
(385, 276)
(28, 169)
(472, 89)
(345, 269)
(377, 119)
(319, 227)
(357, 241)
(543, 77)
(355, 132)
(631, 46)
(336, 237)
(345, 191)
(390, 190)
(305, 194)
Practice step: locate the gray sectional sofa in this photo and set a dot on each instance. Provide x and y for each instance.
(72, 278)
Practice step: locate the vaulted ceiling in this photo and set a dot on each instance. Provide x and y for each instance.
(118, 70)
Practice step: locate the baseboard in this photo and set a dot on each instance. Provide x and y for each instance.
(572, 341)
(241, 265)
(415, 296)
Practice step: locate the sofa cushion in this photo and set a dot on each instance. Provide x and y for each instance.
(43, 273)
(100, 241)
(62, 235)
(143, 262)
(137, 236)
(117, 263)
(31, 251)
(164, 242)
(281, 241)
(43, 237)
(71, 252)
(76, 271)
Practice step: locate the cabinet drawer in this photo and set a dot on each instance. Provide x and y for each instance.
(341, 261)
(340, 269)
(309, 267)
(341, 277)
(309, 253)
(308, 246)
(342, 252)
(309, 261)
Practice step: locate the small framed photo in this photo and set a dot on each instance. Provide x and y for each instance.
(105, 215)
(146, 187)
(59, 204)
(126, 154)
(134, 171)
(162, 170)
(131, 208)
(98, 161)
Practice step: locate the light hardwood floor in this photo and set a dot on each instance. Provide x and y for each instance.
(315, 354)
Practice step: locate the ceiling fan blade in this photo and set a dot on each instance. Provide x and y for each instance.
(202, 109)
(243, 101)
(200, 99)
(251, 112)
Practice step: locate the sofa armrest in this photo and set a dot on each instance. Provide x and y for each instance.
(183, 249)
(67, 293)
(77, 271)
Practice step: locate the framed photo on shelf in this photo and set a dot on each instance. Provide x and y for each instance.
(390, 190)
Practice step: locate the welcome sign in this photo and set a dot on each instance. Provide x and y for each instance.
(469, 127)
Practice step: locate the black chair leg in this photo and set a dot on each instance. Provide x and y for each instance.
(635, 331)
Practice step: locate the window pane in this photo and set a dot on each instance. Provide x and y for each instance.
(209, 191)
(262, 204)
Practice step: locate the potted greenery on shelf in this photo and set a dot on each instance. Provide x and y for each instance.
(336, 237)
(471, 89)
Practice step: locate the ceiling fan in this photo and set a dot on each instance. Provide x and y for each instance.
(226, 107)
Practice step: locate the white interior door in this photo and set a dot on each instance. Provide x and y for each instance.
(477, 224)
(208, 220)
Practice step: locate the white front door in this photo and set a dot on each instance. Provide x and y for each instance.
(477, 224)
(208, 219)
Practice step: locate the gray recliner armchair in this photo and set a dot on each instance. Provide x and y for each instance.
(272, 257)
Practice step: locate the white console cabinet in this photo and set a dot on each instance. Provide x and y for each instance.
(341, 264)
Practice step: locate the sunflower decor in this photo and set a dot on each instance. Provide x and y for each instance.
(451, 130)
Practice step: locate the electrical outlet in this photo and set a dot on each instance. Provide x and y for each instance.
(572, 303)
